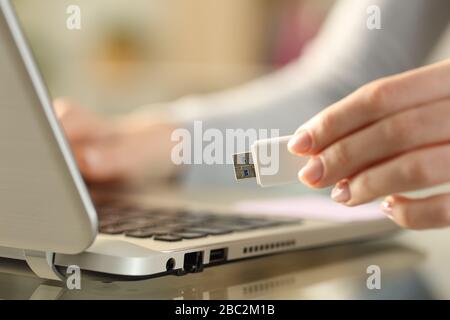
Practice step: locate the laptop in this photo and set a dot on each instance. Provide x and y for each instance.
(49, 220)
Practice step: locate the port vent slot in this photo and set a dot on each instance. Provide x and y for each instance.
(267, 247)
(218, 255)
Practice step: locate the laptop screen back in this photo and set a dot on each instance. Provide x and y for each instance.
(44, 204)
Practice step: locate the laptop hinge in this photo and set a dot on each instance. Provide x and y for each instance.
(43, 264)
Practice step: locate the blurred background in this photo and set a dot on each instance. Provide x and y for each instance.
(130, 53)
(133, 52)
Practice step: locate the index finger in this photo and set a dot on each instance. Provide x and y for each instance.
(371, 103)
(79, 124)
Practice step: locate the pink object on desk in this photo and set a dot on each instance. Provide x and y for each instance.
(310, 207)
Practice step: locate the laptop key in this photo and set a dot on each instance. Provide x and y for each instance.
(210, 231)
(108, 222)
(168, 238)
(191, 235)
(234, 227)
(143, 234)
(111, 230)
(259, 224)
(148, 232)
(145, 222)
(125, 227)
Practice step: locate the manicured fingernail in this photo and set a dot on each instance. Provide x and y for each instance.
(312, 172)
(387, 207)
(300, 143)
(341, 192)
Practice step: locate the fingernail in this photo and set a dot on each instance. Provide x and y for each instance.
(341, 192)
(300, 143)
(92, 158)
(387, 207)
(312, 172)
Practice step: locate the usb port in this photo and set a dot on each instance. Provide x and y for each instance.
(218, 255)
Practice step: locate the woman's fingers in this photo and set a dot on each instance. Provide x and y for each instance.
(101, 155)
(402, 132)
(411, 171)
(431, 212)
(129, 156)
(370, 104)
(79, 124)
(388, 137)
(110, 160)
(100, 162)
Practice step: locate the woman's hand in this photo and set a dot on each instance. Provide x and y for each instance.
(390, 136)
(125, 149)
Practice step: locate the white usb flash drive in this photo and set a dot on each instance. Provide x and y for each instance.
(270, 162)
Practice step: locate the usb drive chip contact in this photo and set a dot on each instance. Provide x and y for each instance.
(244, 167)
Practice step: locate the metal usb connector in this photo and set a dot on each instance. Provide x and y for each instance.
(269, 162)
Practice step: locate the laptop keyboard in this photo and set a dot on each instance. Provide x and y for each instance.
(170, 225)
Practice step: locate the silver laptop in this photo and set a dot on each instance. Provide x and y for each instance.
(48, 219)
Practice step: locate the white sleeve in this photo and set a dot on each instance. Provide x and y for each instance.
(344, 56)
